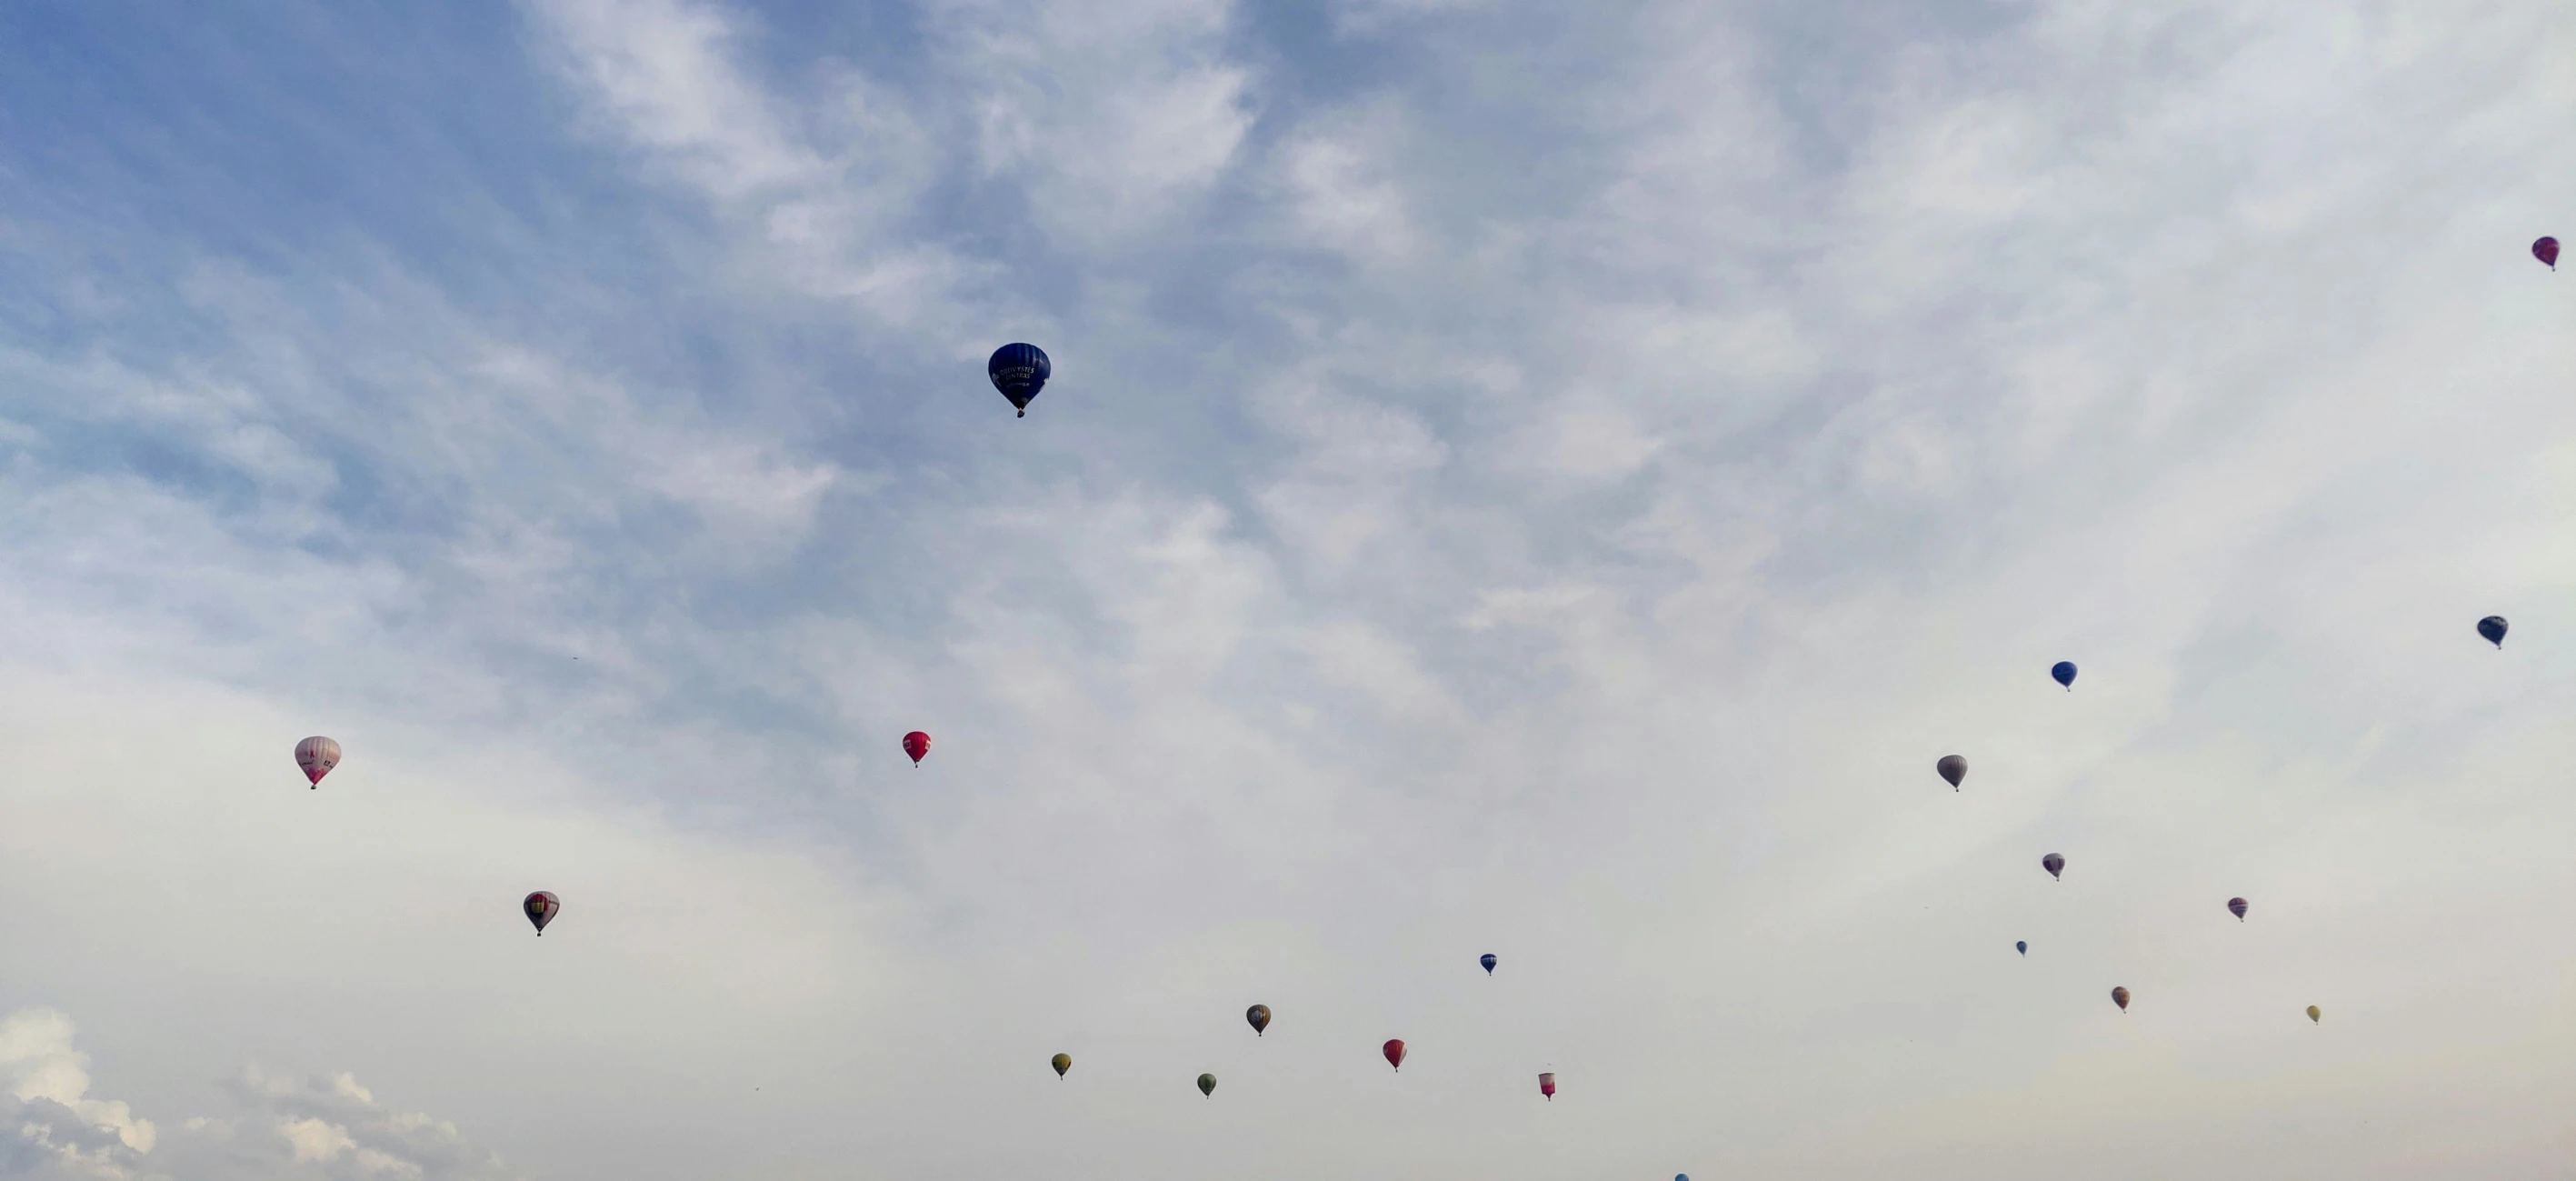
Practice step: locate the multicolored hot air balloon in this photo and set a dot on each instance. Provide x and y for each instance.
(1061, 1063)
(2492, 627)
(1259, 1016)
(2064, 671)
(317, 755)
(916, 744)
(1487, 959)
(2546, 250)
(2022, 946)
(1019, 371)
(2236, 906)
(540, 908)
(1207, 1084)
(2120, 997)
(1952, 768)
(2052, 863)
(1394, 1051)
(2315, 1014)
(1547, 1086)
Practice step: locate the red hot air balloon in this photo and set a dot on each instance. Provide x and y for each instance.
(916, 744)
(1547, 1086)
(541, 907)
(2236, 906)
(2120, 997)
(317, 755)
(2052, 863)
(2546, 250)
(1394, 1051)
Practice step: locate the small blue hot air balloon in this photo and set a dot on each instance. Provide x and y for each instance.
(2022, 946)
(2492, 627)
(2064, 671)
(1487, 959)
(1019, 371)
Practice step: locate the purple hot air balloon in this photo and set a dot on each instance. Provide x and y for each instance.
(2120, 997)
(2052, 863)
(2546, 250)
(2236, 906)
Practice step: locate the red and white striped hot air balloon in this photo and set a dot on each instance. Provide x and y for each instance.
(317, 755)
(916, 744)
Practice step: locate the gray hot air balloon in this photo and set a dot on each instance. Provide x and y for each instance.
(1952, 768)
(1207, 1084)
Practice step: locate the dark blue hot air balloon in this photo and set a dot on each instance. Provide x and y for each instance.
(2022, 946)
(2064, 671)
(1487, 959)
(2492, 627)
(1019, 371)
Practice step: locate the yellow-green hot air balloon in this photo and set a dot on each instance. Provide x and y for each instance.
(2315, 1014)
(1207, 1084)
(1062, 1063)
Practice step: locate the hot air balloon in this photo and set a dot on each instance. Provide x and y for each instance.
(2022, 946)
(2064, 671)
(916, 744)
(2052, 863)
(1547, 1086)
(2120, 997)
(2546, 250)
(1259, 1016)
(1207, 1084)
(2236, 906)
(1952, 768)
(1019, 371)
(1394, 1051)
(2315, 1014)
(2492, 627)
(541, 907)
(317, 755)
(1061, 1063)
(1487, 959)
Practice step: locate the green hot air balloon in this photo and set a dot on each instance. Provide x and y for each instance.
(1207, 1084)
(1062, 1063)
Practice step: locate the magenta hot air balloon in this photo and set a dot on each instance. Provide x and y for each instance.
(1547, 1086)
(916, 744)
(540, 908)
(2236, 906)
(2546, 250)
(317, 755)
(2053, 864)
(1394, 1051)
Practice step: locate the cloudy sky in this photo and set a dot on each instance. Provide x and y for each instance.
(1523, 477)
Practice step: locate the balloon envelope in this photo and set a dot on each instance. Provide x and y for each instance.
(2236, 906)
(1207, 1084)
(1952, 768)
(1487, 959)
(2064, 671)
(1259, 1016)
(1061, 1063)
(2052, 863)
(2315, 1014)
(540, 908)
(2120, 997)
(1394, 1051)
(1547, 1085)
(2546, 250)
(2492, 627)
(2022, 946)
(317, 755)
(916, 744)
(1019, 371)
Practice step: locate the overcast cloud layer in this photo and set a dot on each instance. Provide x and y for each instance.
(1533, 478)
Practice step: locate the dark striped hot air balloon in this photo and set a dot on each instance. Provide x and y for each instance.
(1019, 371)
(1952, 768)
(1259, 1016)
(1487, 960)
(2120, 997)
(2053, 864)
(2236, 906)
(2491, 627)
(540, 908)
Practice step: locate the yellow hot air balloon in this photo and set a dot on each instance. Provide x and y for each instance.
(1062, 1063)
(2315, 1013)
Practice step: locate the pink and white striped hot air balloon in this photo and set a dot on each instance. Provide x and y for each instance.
(317, 755)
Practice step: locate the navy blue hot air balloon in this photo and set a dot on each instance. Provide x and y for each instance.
(2492, 627)
(1487, 959)
(2064, 671)
(1019, 371)
(2022, 946)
